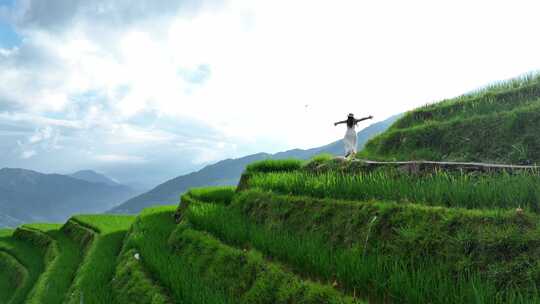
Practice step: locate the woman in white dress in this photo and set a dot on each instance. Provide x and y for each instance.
(350, 135)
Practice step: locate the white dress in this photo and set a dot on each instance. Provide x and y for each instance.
(350, 140)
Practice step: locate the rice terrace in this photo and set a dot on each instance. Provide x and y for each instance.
(432, 217)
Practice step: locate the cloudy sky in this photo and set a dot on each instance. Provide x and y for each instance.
(145, 90)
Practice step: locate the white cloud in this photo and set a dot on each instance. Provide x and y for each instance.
(92, 68)
(44, 139)
(29, 118)
(41, 135)
(28, 154)
(8, 52)
(114, 158)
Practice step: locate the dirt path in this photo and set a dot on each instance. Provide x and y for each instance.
(423, 166)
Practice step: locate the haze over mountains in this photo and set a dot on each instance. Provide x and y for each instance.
(227, 172)
(94, 177)
(29, 196)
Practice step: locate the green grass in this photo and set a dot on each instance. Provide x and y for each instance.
(218, 194)
(132, 283)
(7, 285)
(103, 234)
(320, 158)
(244, 274)
(12, 275)
(500, 97)
(30, 256)
(315, 162)
(460, 190)
(274, 165)
(65, 258)
(499, 124)
(160, 275)
(412, 265)
(508, 137)
(488, 104)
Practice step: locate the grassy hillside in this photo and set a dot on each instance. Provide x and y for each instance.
(499, 123)
(101, 237)
(292, 232)
(27, 261)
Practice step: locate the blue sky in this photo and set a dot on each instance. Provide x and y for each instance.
(147, 90)
(8, 36)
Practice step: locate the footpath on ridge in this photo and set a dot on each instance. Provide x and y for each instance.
(425, 165)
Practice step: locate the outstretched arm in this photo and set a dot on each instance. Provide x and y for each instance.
(339, 122)
(365, 118)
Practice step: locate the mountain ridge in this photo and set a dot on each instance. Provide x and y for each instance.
(30, 196)
(94, 177)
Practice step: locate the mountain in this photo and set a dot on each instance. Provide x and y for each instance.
(500, 124)
(227, 172)
(29, 196)
(94, 177)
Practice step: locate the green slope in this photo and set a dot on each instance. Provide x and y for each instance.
(384, 251)
(166, 262)
(29, 256)
(13, 274)
(500, 123)
(102, 237)
(62, 260)
(10, 276)
(399, 248)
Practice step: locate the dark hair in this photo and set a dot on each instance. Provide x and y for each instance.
(351, 121)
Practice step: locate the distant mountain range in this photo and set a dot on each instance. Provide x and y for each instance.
(227, 172)
(29, 196)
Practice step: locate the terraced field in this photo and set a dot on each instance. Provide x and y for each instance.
(325, 231)
(14, 276)
(62, 259)
(102, 237)
(49, 263)
(10, 277)
(383, 238)
(25, 261)
(499, 123)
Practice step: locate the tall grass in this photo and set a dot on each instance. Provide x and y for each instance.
(93, 281)
(490, 104)
(30, 256)
(245, 275)
(498, 97)
(148, 237)
(358, 270)
(492, 137)
(438, 189)
(494, 124)
(274, 165)
(217, 194)
(12, 274)
(65, 258)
